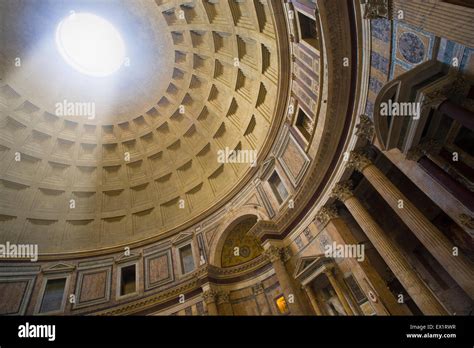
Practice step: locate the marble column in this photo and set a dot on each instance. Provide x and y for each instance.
(209, 297)
(223, 303)
(339, 292)
(458, 266)
(425, 154)
(312, 299)
(390, 252)
(437, 192)
(368, 278)
(274, 254)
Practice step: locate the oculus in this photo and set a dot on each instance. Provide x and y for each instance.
(90, 44)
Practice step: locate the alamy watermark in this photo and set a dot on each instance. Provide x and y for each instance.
(355, 251)
(82, 109)
(237, 156)
(19, 251)
(37, 331)
(400, 109)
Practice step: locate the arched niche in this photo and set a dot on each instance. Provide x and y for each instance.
(233, 217)
(217, 243)
(239, 247)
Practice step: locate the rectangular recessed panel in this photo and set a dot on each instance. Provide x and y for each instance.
(11, 296)
(93, 286)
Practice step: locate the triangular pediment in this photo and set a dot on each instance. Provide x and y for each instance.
(210, 234)
(127, 256)
(304, 262)
(309, 264)
(59, 268)
(267, 167)
(253, 200)
(182, 237)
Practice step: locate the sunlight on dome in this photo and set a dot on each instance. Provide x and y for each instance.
(90, 44)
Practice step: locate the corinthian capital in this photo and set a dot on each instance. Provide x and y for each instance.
(467, 221)
(377, 9)
(285, 254)
(434, 99)
(258, 289)
(358, 160)
(326, 213)
(209, 296)
(365, 128)
(272, 253)
(222, 297)
(456, 90)
(426, 148)
(343, 190)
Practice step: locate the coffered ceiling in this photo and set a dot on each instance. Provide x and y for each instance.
(201, 76)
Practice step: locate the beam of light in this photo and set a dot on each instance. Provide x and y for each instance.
(90, 44)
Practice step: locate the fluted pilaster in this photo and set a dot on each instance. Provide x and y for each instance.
(259, 292)
(223, 303)
(209, 297)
